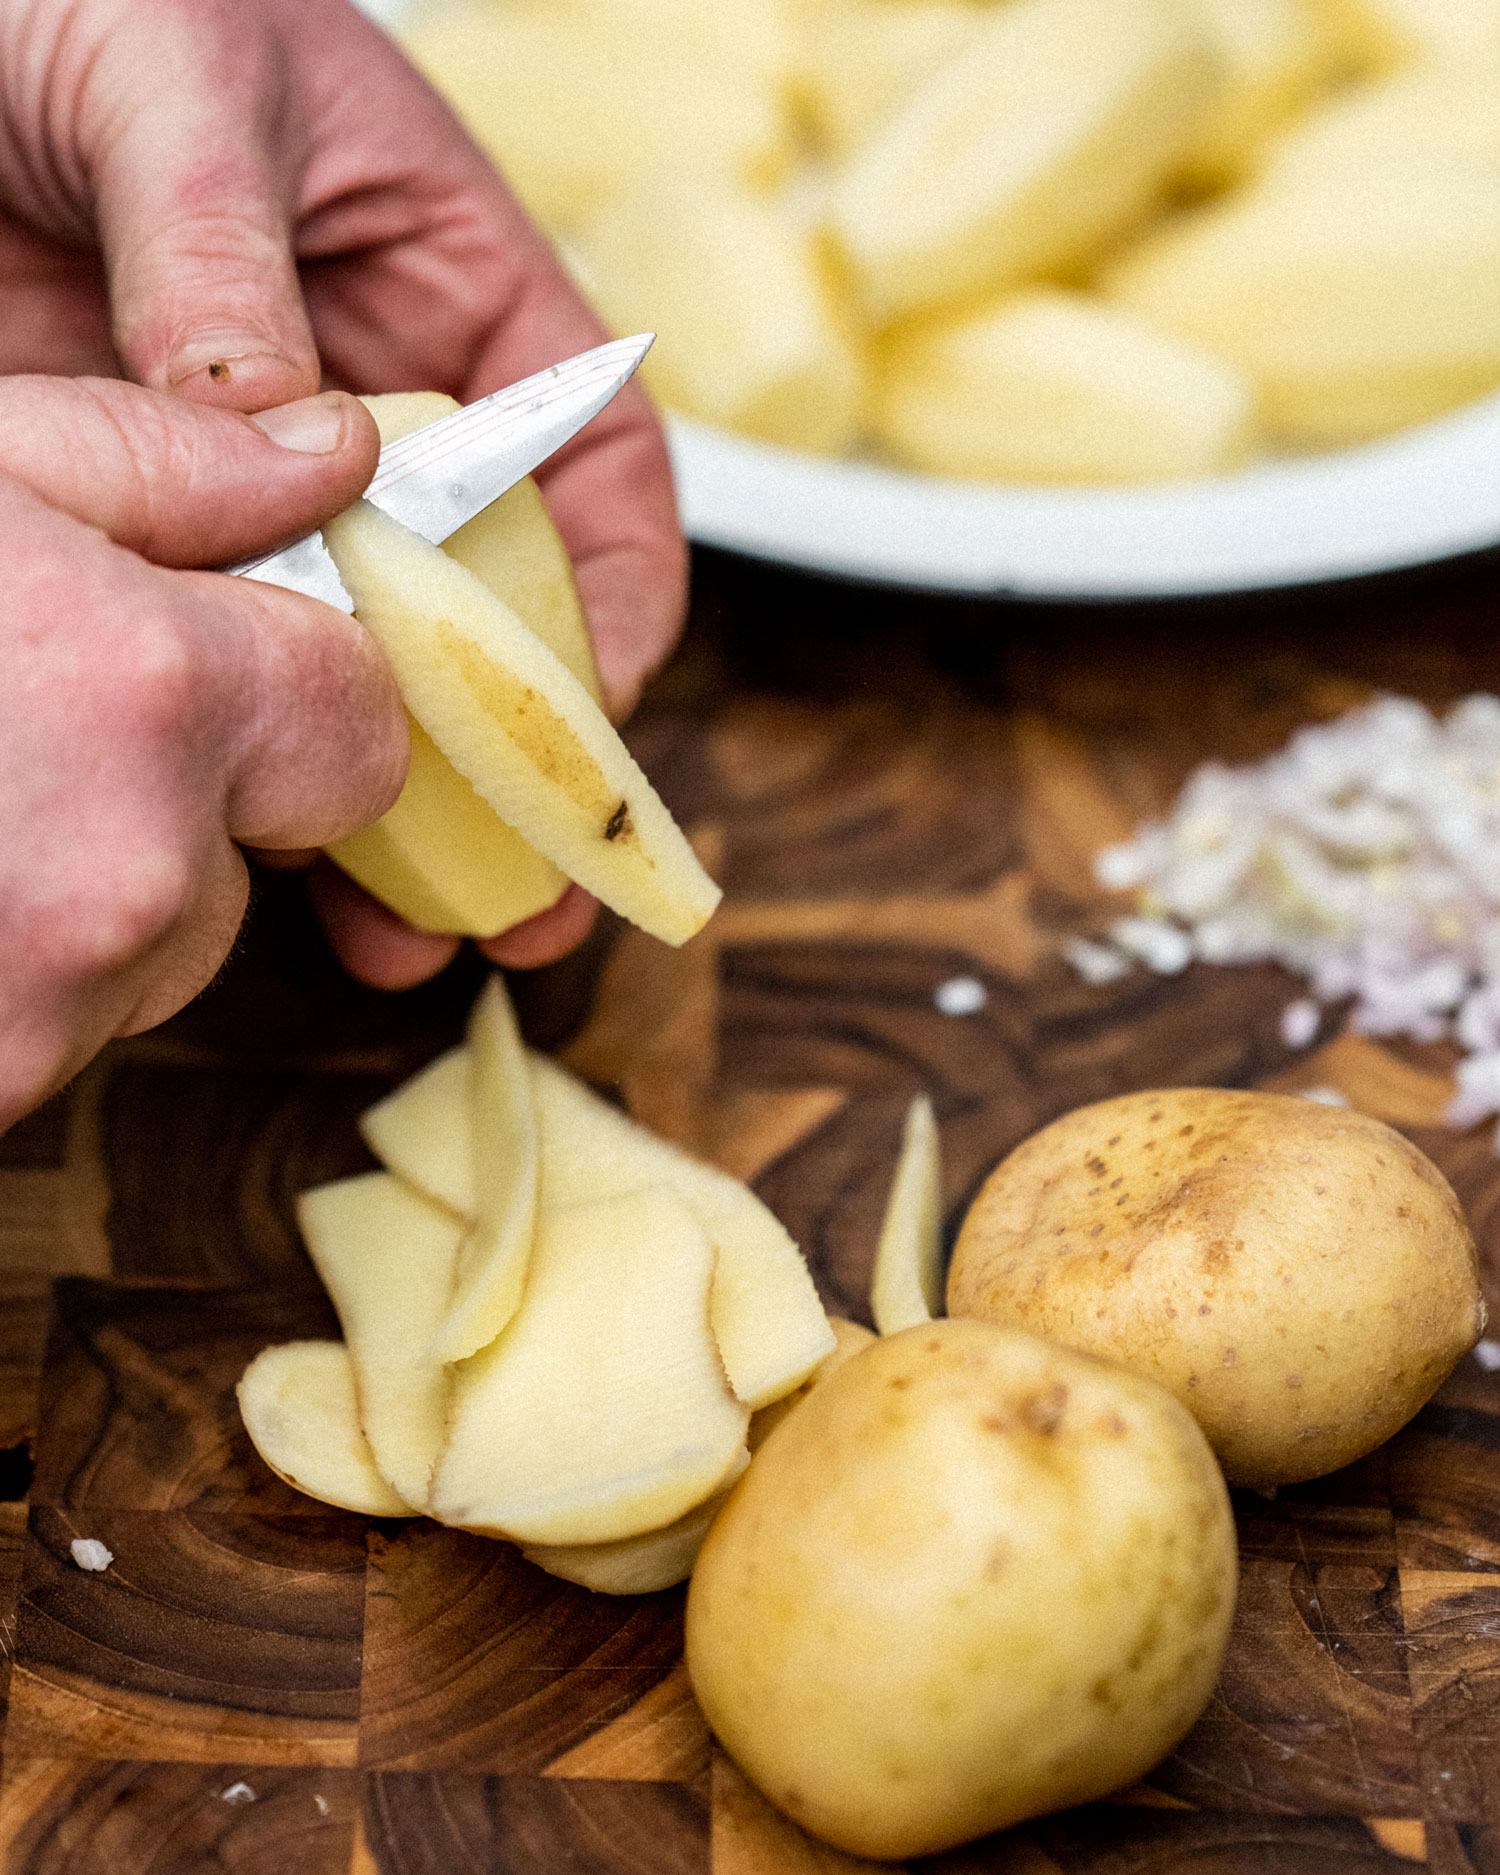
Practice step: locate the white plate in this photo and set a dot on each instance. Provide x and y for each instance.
(1425, 495)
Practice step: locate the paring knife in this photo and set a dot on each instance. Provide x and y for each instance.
(438, 478)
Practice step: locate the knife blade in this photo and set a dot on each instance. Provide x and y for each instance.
(436, 479)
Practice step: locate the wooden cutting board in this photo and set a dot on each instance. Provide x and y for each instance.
(895, 794)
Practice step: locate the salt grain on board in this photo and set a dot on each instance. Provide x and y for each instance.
(961, 996)
(89, 1553)
(1365, 857)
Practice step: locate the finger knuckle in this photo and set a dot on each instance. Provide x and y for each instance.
(133, 903)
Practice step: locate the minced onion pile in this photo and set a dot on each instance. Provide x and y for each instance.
(1365, 856)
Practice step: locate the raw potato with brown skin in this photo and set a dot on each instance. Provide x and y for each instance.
(1300, 1277)
(971, 1579)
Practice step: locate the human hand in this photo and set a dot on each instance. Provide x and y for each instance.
(152, 718)
(215, 195)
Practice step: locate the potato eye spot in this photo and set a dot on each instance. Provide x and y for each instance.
(618, 822)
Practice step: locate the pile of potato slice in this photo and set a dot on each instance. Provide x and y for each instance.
(557, 1326)
(1039, 240)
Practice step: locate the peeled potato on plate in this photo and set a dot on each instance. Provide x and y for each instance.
(1050, 386)
(1300, 1277)
(1358, 297)
(1052, 133)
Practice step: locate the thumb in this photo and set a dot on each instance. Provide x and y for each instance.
(194, 202)
(181, 485)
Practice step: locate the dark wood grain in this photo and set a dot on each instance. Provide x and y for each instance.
(894, 792)
(475, 1659)
(212, 1635)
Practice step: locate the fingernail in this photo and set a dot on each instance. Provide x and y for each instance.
(314, 426)
(220, 356)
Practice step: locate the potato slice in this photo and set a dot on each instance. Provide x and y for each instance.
(907, 1289)
(515, 720)
(442, 857)
(423, 1131)
(492, 1259)
(1277, 55)
(602, 1411)
(767, 1320)
(386, 1256)
(748, 333)
(577, 112)
(511, 545)
(1050, 135)
(768, 1323)
(860, 61)
(849, 1339)
(1054, 387)
(637, 1565)
(1360, 300)
(298, 1405)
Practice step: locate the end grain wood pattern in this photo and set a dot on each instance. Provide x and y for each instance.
(893, 793)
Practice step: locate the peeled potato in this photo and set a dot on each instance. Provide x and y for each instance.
(297, 1402)
(1277, 55)
(1448, 107)
(860, 60)
(972, 1578)
(1050, 386)
(1049, 136)
(1359, 299)
(1298, 1276)
(748, 333)
(578, 111)
(441, 857)
(1391, 32)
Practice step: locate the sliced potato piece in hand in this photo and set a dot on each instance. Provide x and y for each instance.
(514, 719)
(423, 1131)
(511, 545)
(1359, 299)
(907, 1289)
(767, 1320)
(386, 1256)
(492, 1258)
(298, 1404)
(636, 1565)
(442, 857)
(602, 1411)
(1051, 386)
(1050, 135)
